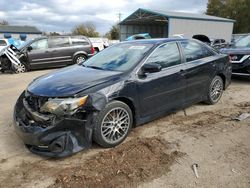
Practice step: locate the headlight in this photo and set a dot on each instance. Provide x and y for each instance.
(63, 106)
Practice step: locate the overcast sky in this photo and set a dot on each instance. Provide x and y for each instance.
(62, 15)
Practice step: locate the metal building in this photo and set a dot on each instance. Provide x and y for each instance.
(17, 32)
(161, 24)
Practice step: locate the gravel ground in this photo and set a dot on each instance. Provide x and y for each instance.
(158, 154)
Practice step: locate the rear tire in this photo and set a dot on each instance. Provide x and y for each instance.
(113, 124)
(78, 59)
(215, 90)
(97, 50)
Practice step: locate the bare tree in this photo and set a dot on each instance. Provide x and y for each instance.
(4, 22)
(86, 29)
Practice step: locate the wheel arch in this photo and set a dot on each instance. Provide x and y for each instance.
(223, 77)
(79, 53)
(130, 104)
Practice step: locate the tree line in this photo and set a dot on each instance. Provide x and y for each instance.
(89, 29)
(86, 29)
(238, 10)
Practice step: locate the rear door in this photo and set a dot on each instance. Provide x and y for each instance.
(80, 45)
(61, 51)
(199, 68)
(165, 90)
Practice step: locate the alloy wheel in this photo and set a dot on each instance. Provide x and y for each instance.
(216, 90)
(115, 125)
(20, 68)
(80, 59)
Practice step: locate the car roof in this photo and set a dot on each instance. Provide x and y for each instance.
(155, 41)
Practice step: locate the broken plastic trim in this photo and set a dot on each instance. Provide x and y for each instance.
(11, 55)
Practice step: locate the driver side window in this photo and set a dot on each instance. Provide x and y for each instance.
(166, 55)
(40, 44)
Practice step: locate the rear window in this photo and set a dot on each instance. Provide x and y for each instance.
(194, 51)
(3, 43)
(58, 42)
(79, 42)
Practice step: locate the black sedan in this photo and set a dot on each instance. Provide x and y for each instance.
(123, 86)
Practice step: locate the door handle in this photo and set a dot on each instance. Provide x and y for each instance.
(183, 72)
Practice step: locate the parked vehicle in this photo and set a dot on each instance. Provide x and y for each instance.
(219, 43)
(98, 44)
(125, 85)
(6, 42)
(105, 42)
(240, 56)
(236, 37)
(215, 43)
(139, 36)
(46, 52)
(202, 38)
(3, 43)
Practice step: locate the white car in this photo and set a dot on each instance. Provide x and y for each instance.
(3, 43)
(7, 42)
(97, 43)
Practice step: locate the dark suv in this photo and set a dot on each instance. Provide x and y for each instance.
(45, 52)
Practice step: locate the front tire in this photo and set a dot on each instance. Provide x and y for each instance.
(215, 90)
(113, 124)
(21, 68)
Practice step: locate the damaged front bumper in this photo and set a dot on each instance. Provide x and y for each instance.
(51, 136)
(11, 53)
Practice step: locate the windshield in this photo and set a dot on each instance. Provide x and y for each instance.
(243, 42)
(23, 44)
(119, 57)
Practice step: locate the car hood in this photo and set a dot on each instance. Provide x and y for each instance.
(70, 81)
(234, 50)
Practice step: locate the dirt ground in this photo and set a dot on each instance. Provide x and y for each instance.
(158, 154)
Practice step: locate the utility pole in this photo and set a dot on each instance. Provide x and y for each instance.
(119, 20)
(119, 16)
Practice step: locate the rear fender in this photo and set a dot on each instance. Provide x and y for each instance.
(79, 53)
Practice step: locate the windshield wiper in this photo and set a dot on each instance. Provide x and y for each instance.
(94, 67)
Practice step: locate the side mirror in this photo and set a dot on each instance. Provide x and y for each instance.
(151, 68)
(29, 48)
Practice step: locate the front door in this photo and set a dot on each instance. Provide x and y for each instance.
(39, 56)
(164, 90)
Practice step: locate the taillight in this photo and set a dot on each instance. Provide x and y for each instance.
(92, 50)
